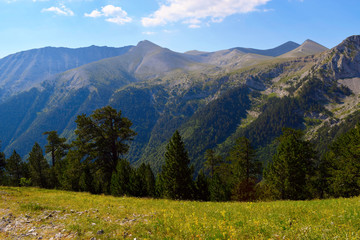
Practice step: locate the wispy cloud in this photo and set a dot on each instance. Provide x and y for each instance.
(61, 10)
(148, 33)
(193, 12)
(111, 13)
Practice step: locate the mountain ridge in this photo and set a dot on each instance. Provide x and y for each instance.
(24, 70)
(160, 91)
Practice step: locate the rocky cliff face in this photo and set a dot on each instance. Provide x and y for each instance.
(342, 61)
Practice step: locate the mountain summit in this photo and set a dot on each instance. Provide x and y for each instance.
(309, 47)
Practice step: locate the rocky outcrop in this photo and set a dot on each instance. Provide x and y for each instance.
(342, 61)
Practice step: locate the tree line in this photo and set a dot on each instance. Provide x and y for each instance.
(95, 162)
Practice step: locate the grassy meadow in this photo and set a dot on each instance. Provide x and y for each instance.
(32, 213)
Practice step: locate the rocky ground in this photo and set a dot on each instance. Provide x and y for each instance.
(42, 226)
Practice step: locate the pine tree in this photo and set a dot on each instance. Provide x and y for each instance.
(86, 179)
(150, 181)
(243, 160)
(202, 187)
(39, 167)
(342, 163)
(56, 146)
(212, 161)
(103, 138)
(218, 189)
(73, 168)
(142, 181)
(159, 186)
(245, 170)
(289, 175)
(176, 173)
(2, 168)
(14, 169)
(120, 180)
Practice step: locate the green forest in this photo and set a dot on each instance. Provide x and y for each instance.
(96, 162)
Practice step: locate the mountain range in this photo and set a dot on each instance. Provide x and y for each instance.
(210, 97)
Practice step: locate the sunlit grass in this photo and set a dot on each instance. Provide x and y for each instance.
(84, 215)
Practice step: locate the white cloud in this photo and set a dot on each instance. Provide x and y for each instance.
(194, 26)
(148, 33)
(93, 14)
(61, 10)
(111, 13)
(192, 12)
(119, 20)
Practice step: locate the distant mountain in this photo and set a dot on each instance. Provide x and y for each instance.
(273, 52)
(309, 47)
(211, 98)
(24, 70)
(148, 60)
(240, 57)
(232, 58)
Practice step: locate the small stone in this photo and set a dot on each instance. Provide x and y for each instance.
(100, 232)
(58, 235)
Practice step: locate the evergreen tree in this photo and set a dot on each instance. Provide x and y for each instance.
(289, 175)
(56, 146)
(342, 164)
(86, 179)
(120, 180)
(245, 170)
(14, 169)
(150, 181)
(2, 168)
(103, 138)
(202, 187)
(142, 181)
(176, 173)
(218, 189)
(212, 161)
(159, 186)
(39, 167)
(73, 168)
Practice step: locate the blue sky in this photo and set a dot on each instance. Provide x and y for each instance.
(181, 25)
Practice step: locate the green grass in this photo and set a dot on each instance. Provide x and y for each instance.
(82, 215)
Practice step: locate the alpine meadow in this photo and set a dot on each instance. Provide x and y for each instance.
(145, 142)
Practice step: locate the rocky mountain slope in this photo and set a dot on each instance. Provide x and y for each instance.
(212, 98)
(24, 70)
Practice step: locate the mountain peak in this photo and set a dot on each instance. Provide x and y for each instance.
(290, 43)
(313, 46)
(308, 41)
(309, 47)
(350, 42)
(147, 44)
